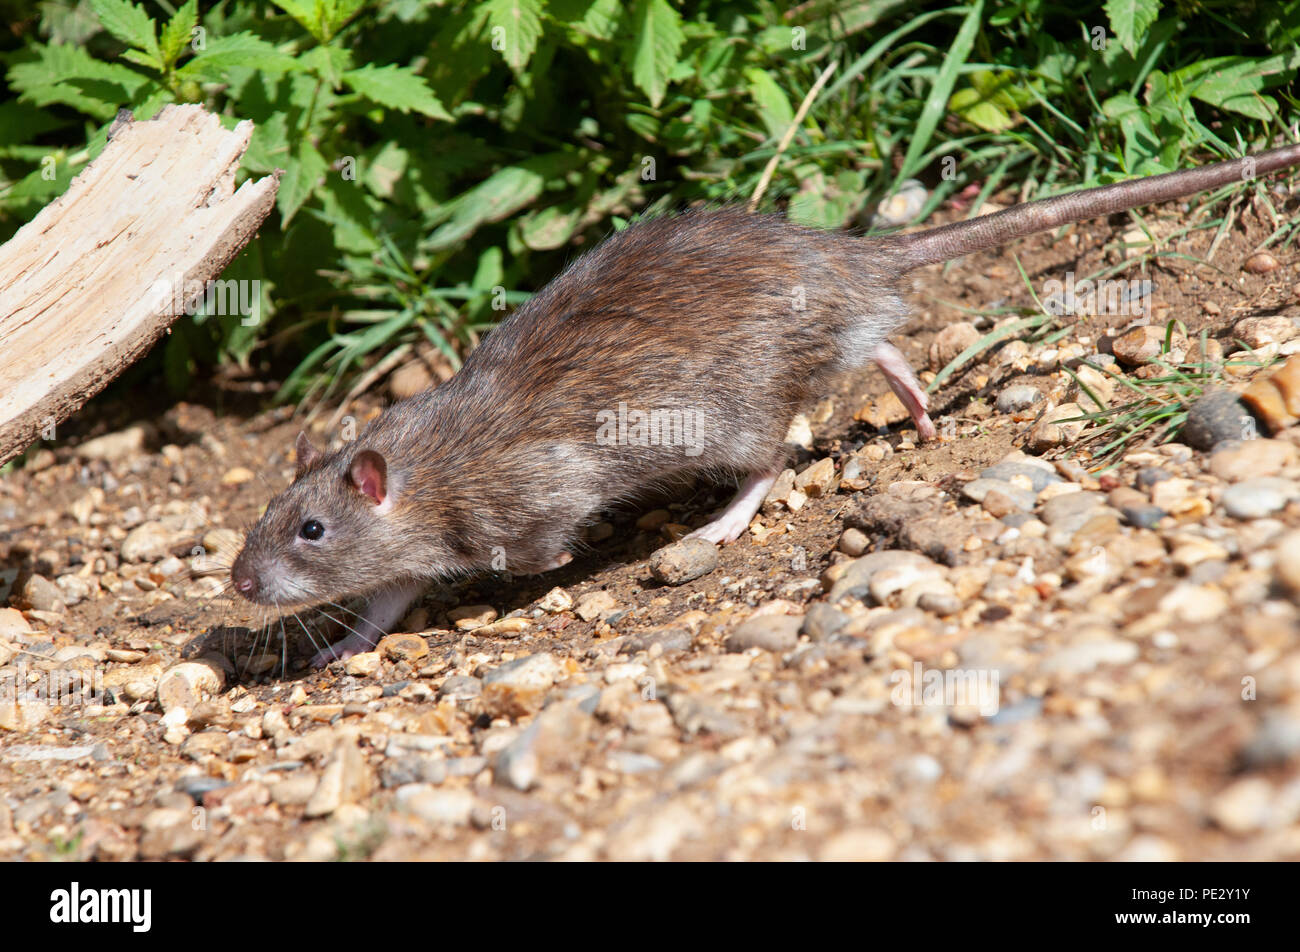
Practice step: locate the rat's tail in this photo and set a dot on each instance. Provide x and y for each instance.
(951, 241)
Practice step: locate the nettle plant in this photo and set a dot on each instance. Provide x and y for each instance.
(443, 159)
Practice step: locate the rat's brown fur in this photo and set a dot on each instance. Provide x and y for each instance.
(499, 467)
(736, 319)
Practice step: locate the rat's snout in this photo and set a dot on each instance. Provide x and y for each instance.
(244, 580)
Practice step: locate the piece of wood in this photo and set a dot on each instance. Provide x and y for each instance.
(90, 284)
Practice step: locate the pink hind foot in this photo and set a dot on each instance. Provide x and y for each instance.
(902, 380)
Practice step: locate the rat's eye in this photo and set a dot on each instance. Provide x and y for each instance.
(312, 529)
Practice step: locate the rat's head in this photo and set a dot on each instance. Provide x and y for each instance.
(318, 539)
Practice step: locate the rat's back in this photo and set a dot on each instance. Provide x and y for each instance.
(737, 317)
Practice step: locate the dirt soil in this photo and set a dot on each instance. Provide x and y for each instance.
(1150, 710)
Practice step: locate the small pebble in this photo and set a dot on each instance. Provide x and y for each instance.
(768, 632)
(1256, 498)
(823, 620)
(1017, 398)
(1214, 417)
(684, 561)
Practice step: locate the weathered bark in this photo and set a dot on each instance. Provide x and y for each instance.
(100, 273)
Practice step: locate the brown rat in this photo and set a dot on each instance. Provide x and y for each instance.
(680, 346)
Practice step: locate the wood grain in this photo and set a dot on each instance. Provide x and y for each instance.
(90, 284)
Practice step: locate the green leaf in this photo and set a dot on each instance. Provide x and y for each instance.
(972, 106)
(773, 107)
(129, 23)
(239, 49)
(595, 19)
(655, 44)
(397, 88)
(549, 228)
(328, 62)
(22, 122)
(176, 34)
(1142, 144)
(310, 15)
(515, 26)
(345, 207)
(936, 103)
(301, 178)
(1130, 20)
(827, 204)
(269, 147)
(1235, 82)
(38, 189)
(141, 58)
(993, 101)
(490, 271)
(339, 12)
(502, 194)
(71, 76)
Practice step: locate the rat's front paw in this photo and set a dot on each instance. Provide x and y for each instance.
(351, 645)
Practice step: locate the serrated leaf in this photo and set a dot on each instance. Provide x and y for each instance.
(590, 19)
(770, 100)
(238, 49)
(1130, 20)
(339, 12)
(346, 209)
(655, 45)
(309, 14)
(328, 62)
(36, 188)
(514, 27)
(141, 58)
(397, 88)
(176, 34)
(269, 147)
(301, 177)
(129, 23)
(69, 75)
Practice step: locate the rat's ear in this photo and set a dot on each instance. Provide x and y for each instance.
(307, 454)
(369, 476)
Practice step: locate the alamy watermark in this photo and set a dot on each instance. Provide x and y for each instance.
(1086, 297)
(57, 687)
(951, 687)
(75, 904)
(220, 298)
(663, 426)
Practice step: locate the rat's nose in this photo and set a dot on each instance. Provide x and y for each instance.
(245, 583)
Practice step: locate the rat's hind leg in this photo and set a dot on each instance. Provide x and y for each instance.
(384, 610)
(904, 383)
(734, 520)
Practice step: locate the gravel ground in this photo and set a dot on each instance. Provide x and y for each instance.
(952, 651)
